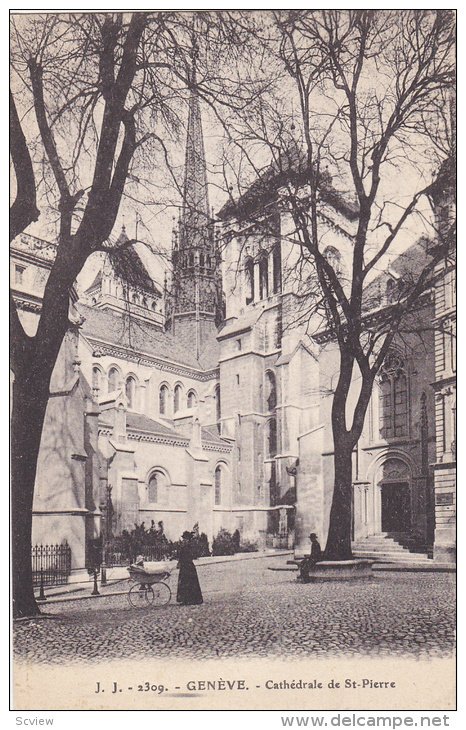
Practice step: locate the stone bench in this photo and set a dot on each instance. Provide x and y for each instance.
(338, 569)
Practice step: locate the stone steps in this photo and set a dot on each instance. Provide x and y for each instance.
(392, 547)
(392, 557)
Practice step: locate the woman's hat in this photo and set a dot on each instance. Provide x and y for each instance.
(140, 559)
(313, 534)
(187, 535)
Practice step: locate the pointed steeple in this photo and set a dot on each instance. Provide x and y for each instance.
(195, 210)
(194, 304)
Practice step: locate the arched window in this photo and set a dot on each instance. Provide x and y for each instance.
(163, 400)
(270, 391)
(218, 485)
(96, 379)
(177, 398)
(391, 291)
(152, 493)
(271, 445)
(249, 280)
(113, 379)
(218, 408)
(393, 398)
(135, 299)
(156, 487)
(192, 399)
(277, 268)
(333, 257)
(264, 276)
(144, 302)
(130, 390)
(154, 306)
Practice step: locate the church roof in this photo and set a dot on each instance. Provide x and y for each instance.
(211, 437)
(97, 281)
(140, 422)
(291, 169)
(405, 267)
(128, 267)
(143, 337)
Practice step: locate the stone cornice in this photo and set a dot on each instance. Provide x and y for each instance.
(223, 448)
(27, 302)
(105, 348)
(157, 439)
(444, 382)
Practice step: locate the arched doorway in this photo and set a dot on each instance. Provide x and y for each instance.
(395, 496)
(396, 507)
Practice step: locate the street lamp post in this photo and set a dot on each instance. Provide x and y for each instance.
(106, 533)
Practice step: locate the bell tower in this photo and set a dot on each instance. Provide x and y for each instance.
(195, 298)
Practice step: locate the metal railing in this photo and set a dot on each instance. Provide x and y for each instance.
(51, 564)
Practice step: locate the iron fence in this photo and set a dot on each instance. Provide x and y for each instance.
(52, 562)
(117, 552)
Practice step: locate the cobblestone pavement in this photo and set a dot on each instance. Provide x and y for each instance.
(249, 610)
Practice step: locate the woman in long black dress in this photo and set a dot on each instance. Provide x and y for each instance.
(189, 590)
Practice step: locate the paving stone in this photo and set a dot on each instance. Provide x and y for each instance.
(251, 611)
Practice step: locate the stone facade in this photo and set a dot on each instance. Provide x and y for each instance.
(228, 425)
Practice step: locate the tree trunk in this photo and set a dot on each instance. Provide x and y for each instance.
(339, 533)
(28, 414)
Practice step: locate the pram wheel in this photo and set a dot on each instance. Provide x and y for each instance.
(141, 595)
(162, 594)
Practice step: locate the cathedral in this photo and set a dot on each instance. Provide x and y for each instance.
(206, 399)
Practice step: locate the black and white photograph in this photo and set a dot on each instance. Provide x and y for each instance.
(233, 359)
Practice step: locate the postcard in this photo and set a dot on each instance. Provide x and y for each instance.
(233, 357)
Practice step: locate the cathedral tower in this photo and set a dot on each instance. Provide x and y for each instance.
(195, 299)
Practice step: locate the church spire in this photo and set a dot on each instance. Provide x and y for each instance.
(194, 305)
(195, 210)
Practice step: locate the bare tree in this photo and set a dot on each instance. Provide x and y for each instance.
(361, 104)
(95, 99)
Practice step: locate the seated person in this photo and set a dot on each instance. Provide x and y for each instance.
(308, 563)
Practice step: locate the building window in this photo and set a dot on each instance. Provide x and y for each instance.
(333, 257)
(152, 494)
(218, 408)
(277, 268)
(278, 329)
(163, 400)
(96, 379)
(192, 399)
(271, 434)
(19, 271)
(157, 491)
(249, 280)
(130, 390)
(218, 485)
(177, 398)
(391, 291)
(264, 276)
(113, 379)
(452, 335)
(237, 379)
(393, 398)
(270, 391)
